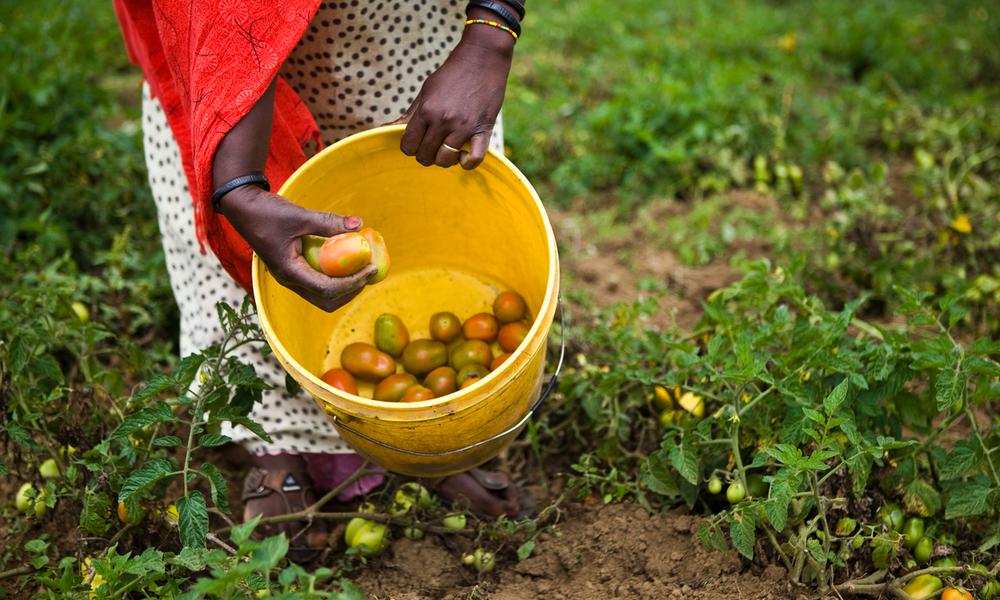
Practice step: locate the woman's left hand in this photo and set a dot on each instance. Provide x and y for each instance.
(459, 103)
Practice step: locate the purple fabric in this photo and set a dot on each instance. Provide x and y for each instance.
(330, 470)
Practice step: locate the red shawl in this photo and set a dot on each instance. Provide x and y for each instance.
(208, 63)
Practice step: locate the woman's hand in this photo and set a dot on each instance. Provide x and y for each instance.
(459, 102)
(274, 228)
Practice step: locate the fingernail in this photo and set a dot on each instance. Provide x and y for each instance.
(352, 222)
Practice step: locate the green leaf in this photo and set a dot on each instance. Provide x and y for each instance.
(948, 389)
(525, 549)
(967, 499)
(167, 441)
(742, 531)
(150, 561)
(964, 456)
(776, 510)
(921, 498)
(684, 458)
(220, 493)
(159, 413)
(157, 385)
(252, 426)
(836, 397)
(96, 513)
(241, 533)
(992, 539)
(860, 468)
(20, 435)
(655, 475)
(36, 546)
(712, 537)
(150, 473)
(213, 439)
(197, 559)
(193, 519)
(348, 591)
(291, 385)
(270, 551)
(39, 561)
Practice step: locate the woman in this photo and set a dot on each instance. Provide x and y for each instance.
(239, 92)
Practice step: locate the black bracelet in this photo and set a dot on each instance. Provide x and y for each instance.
(500, 10)
(256, 178)
(518, 7)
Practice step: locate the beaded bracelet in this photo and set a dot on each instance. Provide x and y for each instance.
(506, 17)
(491, 24)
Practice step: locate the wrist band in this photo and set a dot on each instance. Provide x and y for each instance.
(518, 7)
(491, 24)
(256, 178)
(499, 10)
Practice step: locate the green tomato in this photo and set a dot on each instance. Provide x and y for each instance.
(923, 587)
(947, 561)
(353, 526)
(891, 516)
(735, 492)
(412, 493)
(468, 559)
(81, 311)
(483, 561)
(991, 590)
(371, 539)
(454, 521)
(922, 551)
(913, 532)
(49, 469)
(23, 501)
(756, 486)
(714, 485)
(414, 533)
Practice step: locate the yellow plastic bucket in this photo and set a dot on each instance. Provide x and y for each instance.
(456, 238)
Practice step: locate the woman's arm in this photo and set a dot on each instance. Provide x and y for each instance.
(272, 225)
(459, 103)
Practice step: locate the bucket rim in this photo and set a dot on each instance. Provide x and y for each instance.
(546, 312)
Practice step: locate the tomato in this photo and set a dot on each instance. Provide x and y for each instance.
(423, 356)
(380, 253)
(756, 485)
(891, 516)
(417, 393)
(509, 306)
(393, 387)
(735, 492)
(471, 352)
(511, 335)
(662, 397)
(24, 501)
(391, 335)
(133, 517)
(923, 550)
(414, 533)
(473, 371)
(499, 360)
(442, 381)
(483, 561)
(345, 254)
(469, 382)
(311, 245)
(913, 532)
(454, 521)
(445, 327)
(49, 469)
(955, 594)
(367, 362)
(81, 311)
(692, 403)
(353, 526)
(714, 485)
(481, 326)
(370, 538)
(340, 379)
(415, 493)
(922, 587)
(671, 417)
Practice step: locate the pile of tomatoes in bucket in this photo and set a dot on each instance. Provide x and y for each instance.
(455, 356)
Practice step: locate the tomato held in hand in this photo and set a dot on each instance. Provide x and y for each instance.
(345, 254)
(509, 306)
(441, 381)
(445, 327)
(379, 253)
(391, 335)
(393, 387)
(511, 335)
(340, 379)
(420, 357)
(367, 362)
(482, 326)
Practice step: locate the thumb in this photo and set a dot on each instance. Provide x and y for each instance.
(328, 224)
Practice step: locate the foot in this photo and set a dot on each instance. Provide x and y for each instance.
(280, 485)
(486, 493)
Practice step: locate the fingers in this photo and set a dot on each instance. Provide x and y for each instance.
(478, 145)
(327, 293)
(328, 224)
(413, 135)
(446, 157)
(429, 146)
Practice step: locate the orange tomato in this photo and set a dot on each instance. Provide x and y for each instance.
(472, 371)
(393, 387)
(367, 362)
(499, 361)
(482, 326)
(955, 594)
(441, 381)
(379, 253)
(417, 393)
(468, 382)
(345, 254)
(340, 379)
(509, 306)
(511, 335)
(445, 327)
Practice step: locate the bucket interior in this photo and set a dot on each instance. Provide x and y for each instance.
(455, 238)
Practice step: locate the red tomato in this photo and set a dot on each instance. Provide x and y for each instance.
(340, 379)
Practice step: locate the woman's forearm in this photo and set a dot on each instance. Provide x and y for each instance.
(245, 147)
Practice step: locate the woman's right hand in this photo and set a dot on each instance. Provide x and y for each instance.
(274, 227)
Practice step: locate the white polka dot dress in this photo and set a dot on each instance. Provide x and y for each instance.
(359, 65)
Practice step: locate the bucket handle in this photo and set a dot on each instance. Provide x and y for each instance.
(550, 386)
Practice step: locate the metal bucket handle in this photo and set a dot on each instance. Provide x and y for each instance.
(550, 386)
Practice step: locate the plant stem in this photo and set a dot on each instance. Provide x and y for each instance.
(16, 571)
(982, 444)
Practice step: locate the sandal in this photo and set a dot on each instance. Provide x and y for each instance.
(486, 494)
(283, 489)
